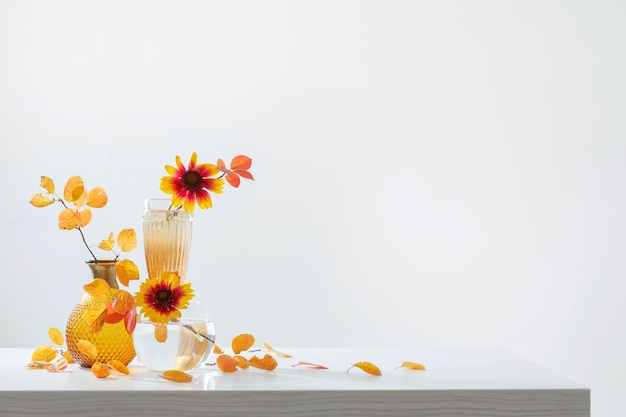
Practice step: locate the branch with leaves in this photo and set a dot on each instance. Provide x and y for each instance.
(77, 203)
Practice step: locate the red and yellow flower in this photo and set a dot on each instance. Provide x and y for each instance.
(161, 299)
(191, 185)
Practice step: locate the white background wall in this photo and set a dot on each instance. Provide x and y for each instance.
(428, 173)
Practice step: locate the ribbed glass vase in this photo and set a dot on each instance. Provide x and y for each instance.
(112, 341)
(166, 238)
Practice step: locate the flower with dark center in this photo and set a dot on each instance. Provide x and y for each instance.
(161, 299)
(191, 185)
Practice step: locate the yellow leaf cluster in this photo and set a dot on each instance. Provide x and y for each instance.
(240, 343)
(50, 358)
(112, 306)
(80, 215)
(74, 192)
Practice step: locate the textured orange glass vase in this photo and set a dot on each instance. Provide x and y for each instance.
(112, 341)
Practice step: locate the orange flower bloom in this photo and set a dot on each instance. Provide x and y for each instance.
(191, 185)
(161, 299)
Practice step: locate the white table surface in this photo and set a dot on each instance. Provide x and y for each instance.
(481, 382)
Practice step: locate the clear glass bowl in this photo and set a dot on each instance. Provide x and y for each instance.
(189, 342)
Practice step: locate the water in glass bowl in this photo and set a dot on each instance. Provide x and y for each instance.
(188, 344)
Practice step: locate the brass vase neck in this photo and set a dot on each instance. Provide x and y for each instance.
(104, 270)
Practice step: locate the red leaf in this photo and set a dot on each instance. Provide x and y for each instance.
(130, 320)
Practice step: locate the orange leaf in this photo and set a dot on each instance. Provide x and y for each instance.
(37, 365)
(113, 316)
(74, 189)
(123, 302)
(240, 162)
(95, 316)
(99, 289)
(127, 240)
(160, 332)
(68, 219)
(56, 366)
(310, 365)
(233, 179)
(100, 370)
(107, 244)
(56, 336)
(84, 217)
(242, 362)
(87, 348)
(413, 366)
(217, 350)
(68, 357)
(119, 367)
(242, 342)
(44, 353)
(97, 198)
(267, 363)
(226, 363)
(271, 349)
(39, 200)
(47, 184)
(126, 270)
(368, 367)
(176, 376)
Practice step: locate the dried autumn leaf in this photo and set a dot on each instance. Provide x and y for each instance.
(47, 184)
(100, 370)
(71, 219)
(113, 316)
(56, 366)
(119, 367)
(241, 163)
(368, 367)
(271, 349)
(126, 270)
(107, 244)
(127, 240)
(56, 336)
(123, 302)
(309, 365)
(412, 365)
(160, 332)
(242, 362)
(44, 353)
(39, 200)
(242, 342)
(99, 289)
(130, 320)
(176, 376)
(95, 316)
(238, 167)
(68, 357)
(37, 365)
(226, 363)
(68, 219)
(87, 348)
(74, 189)
(84, 217)
(267, 363)
(97, 198)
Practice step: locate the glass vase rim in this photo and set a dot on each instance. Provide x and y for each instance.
(161, 204)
